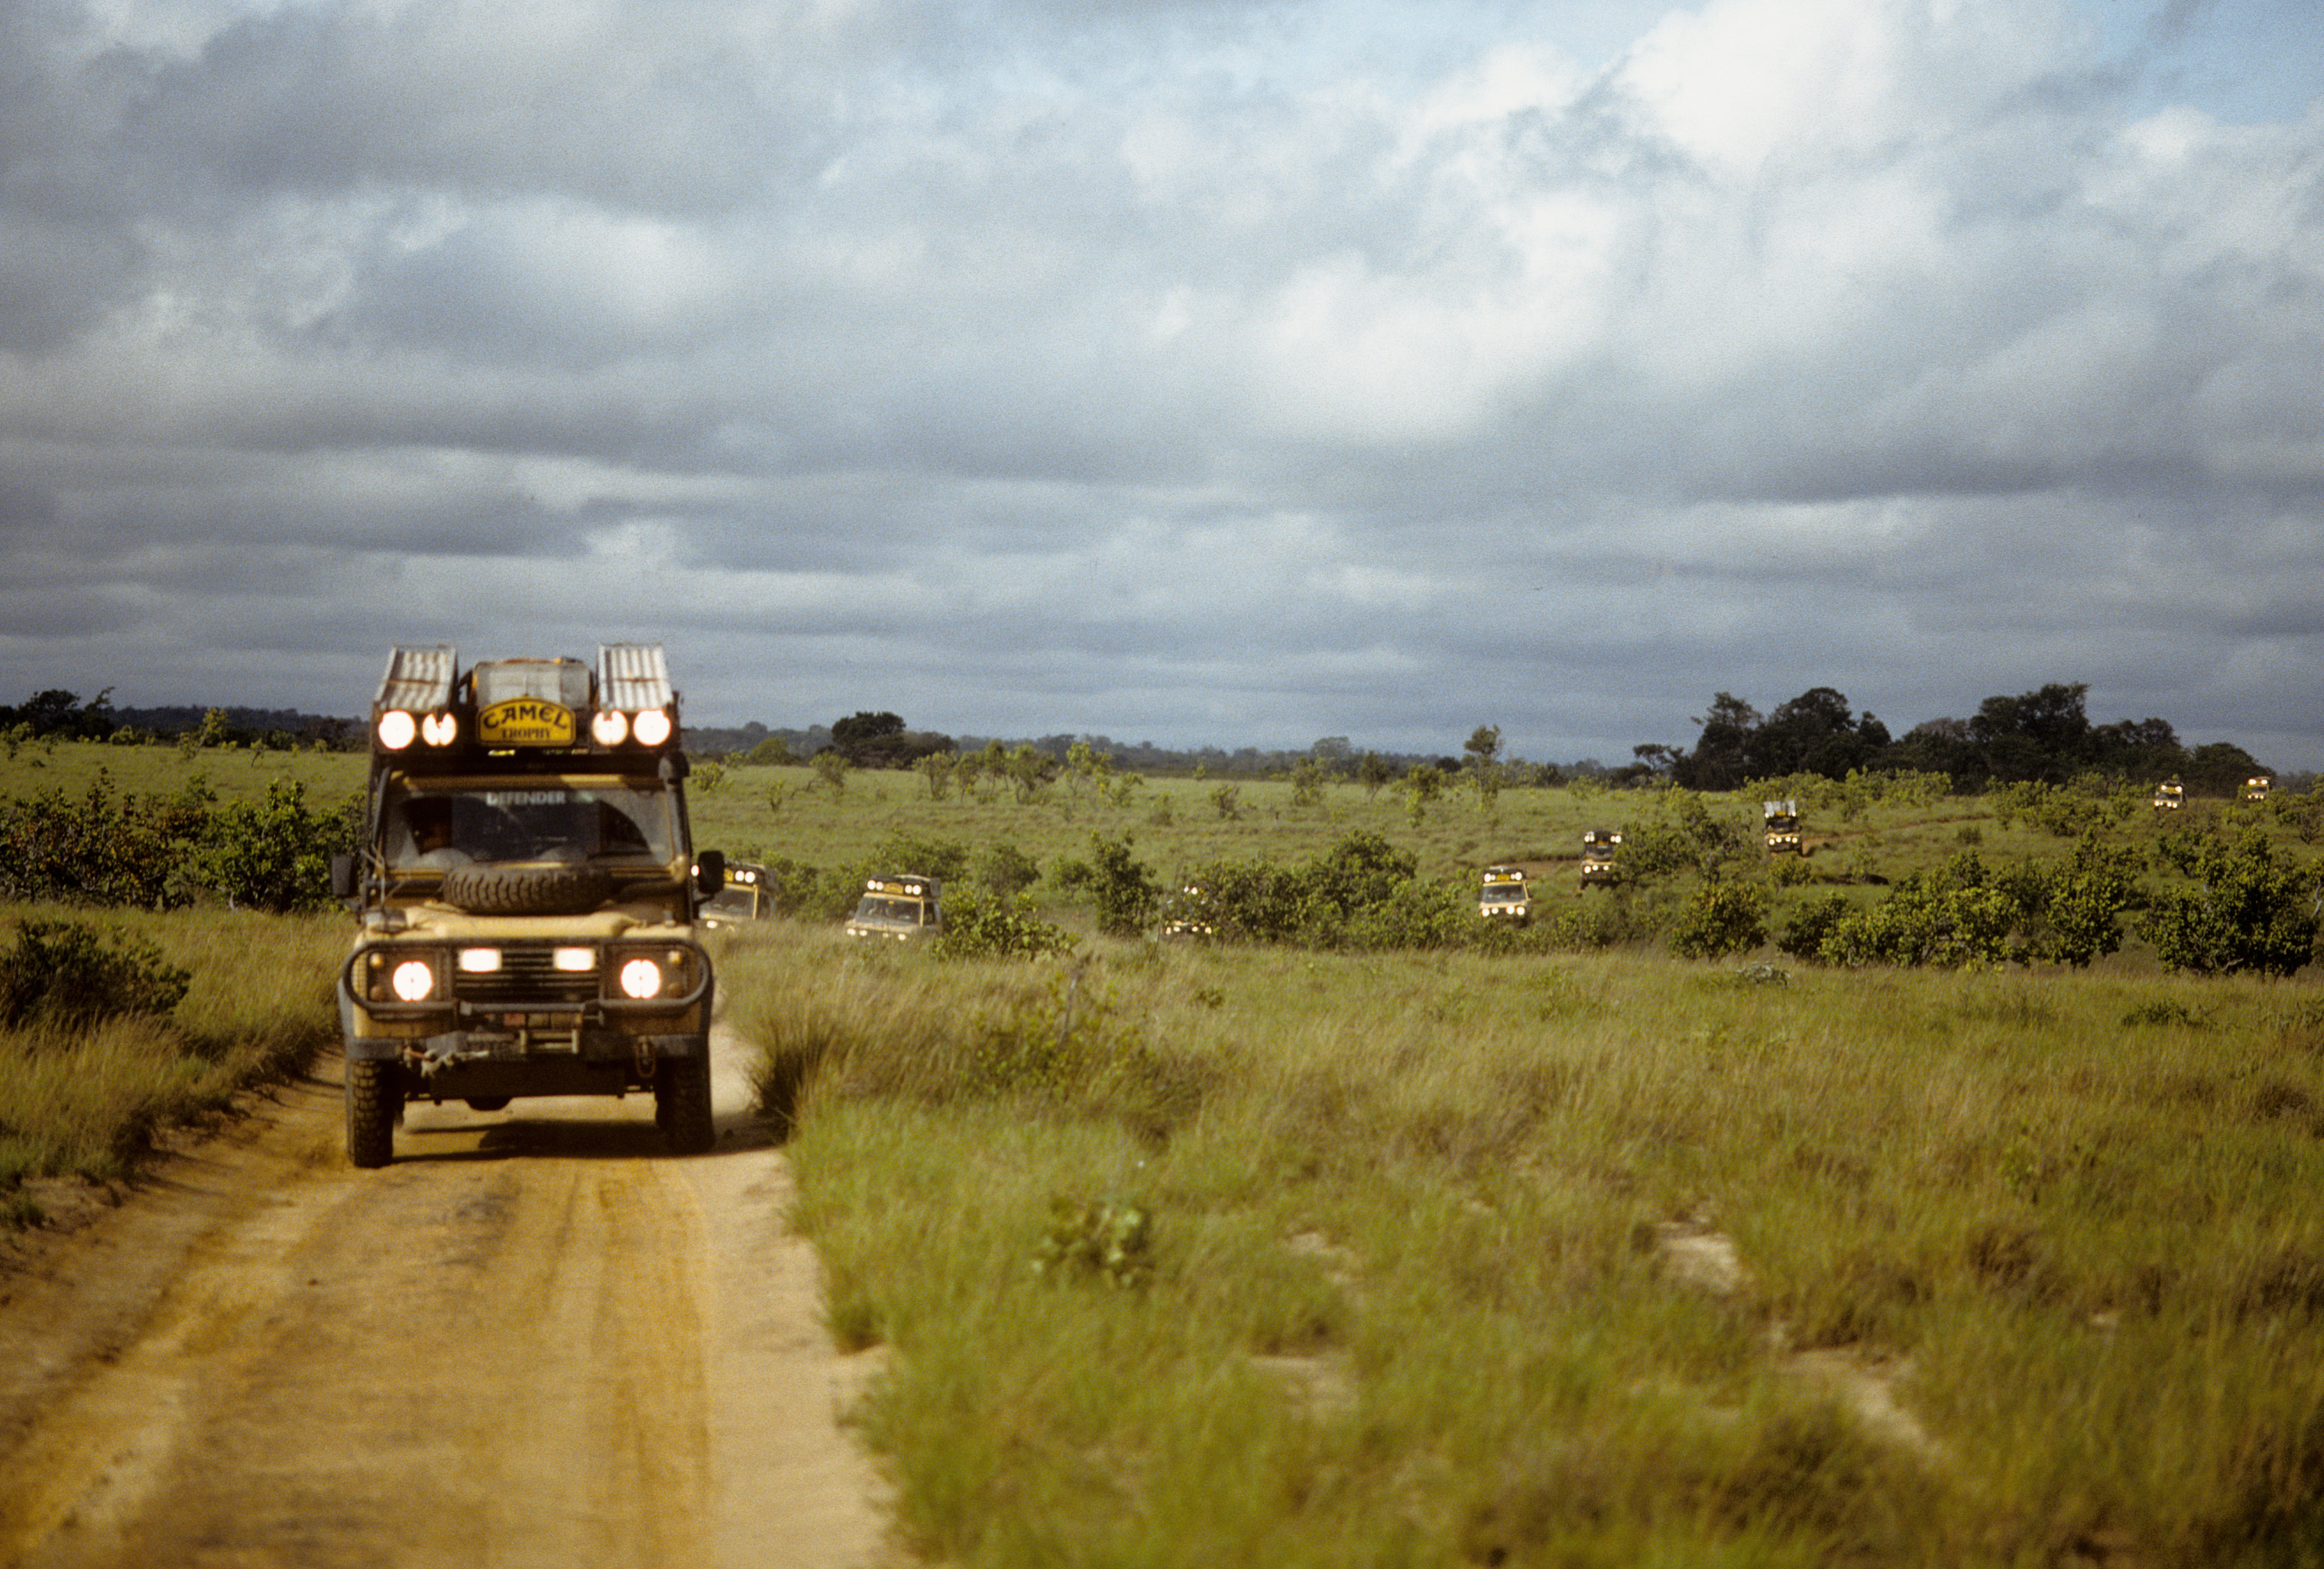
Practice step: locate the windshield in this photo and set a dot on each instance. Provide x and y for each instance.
(1505, 893)
(440, 824)
(734, 901)
(874, 908)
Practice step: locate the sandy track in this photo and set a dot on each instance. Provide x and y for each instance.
(534, 1340)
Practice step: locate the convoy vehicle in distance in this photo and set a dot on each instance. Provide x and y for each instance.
(1598, 850)
(905, 907)
(525, 891)
(1506, 895)
(2169, 796)
(748, 896)
(2255, 788)
(1783, 823)
(1187, 917)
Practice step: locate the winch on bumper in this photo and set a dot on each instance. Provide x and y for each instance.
(478, 1019)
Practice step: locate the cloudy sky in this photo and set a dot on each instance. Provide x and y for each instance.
(1195, 371)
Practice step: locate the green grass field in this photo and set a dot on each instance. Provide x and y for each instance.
(1203, 1255)
(2024, 1269)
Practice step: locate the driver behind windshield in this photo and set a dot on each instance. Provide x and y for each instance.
(440, 830)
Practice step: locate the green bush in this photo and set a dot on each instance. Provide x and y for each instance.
(993, 925)
(1721, 919)
(1805, 935)
(105, 848)
(1005, 870)
(1126, 892)
(275, 855)
(2251, 911)
(1950, 916)
(2074, 912)
(70, 973)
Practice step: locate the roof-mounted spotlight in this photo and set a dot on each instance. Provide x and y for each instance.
(397, 729)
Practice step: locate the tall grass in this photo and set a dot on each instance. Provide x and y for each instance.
(88, 1103)
(1412, 1296)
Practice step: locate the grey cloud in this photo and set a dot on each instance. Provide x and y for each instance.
(1208, 372)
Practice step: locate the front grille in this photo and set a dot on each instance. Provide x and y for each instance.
(529, 975)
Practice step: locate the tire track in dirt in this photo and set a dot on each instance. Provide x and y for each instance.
(534, 1340)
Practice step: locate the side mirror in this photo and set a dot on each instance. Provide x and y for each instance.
(343, 876)
(709, 872)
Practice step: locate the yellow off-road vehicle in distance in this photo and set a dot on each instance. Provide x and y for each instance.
(2169, 796)
(1783, 824)
(906, 906)
(527, 891)
(748, 896)
(2255, 788)
(1599, 849)
(1506, 895)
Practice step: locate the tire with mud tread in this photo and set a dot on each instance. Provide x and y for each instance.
(682, 1105)
(528, 890)
(374, 1101)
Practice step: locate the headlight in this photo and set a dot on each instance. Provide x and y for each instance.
(640, 979)
(414, 980)
(609, 728)
(651, 727)
(440, 729)
(397, 729)
(480, 961)
(574, 961)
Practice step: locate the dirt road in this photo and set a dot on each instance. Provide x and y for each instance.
(534, 1340)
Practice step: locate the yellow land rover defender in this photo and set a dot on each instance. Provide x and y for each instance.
(1783, 826)
(904, 906)
(1506, 895)
(2169, 796)
(1600, 868)
(527, 891)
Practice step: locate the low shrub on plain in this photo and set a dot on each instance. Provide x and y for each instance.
(71, 973)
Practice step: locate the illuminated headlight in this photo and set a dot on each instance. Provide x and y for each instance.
(651, 727)
(414, 980)
(397, 729)
(574, 961)
(480, 961)
(439, 729)
(609, 728)
(640, 979)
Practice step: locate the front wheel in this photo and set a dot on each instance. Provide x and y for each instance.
(682, 1104)
(374, 1101)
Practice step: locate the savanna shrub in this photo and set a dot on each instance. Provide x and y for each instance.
(275, 856)
(2073, 912)
(1125, 892)
(1721, 919)
(2252, 912)
(979, 924)
(946, 859)
(1950, 916)
(1005, 868)
(103, 849)
(1803, 935)
(69, 973)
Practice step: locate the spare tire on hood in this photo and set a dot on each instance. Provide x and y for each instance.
(528, 890)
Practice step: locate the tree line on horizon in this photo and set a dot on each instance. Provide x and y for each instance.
(2045, 735)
